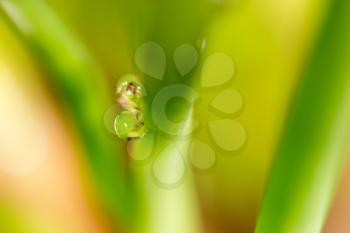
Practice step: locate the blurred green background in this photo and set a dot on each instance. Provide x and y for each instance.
(62, 171)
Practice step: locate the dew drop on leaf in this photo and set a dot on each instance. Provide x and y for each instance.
(130, 91)
(127, 125)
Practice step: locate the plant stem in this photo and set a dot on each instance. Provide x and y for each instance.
(169, 24)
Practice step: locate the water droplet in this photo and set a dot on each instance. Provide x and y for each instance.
(150, 58)
(228, 134)
(130, 91)
(185, 58)
(202, 155)
(127, 125)
(228, 101)
(169, 166)
(217, 69)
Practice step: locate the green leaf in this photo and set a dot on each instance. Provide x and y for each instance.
(156, 30)
(80, 85)
(312, 149)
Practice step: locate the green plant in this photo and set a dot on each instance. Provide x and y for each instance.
(311, 152)
(80, 85)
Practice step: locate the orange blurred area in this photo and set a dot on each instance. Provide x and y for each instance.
(42, 176)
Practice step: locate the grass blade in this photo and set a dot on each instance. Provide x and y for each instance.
(312, 149)
(169, 24)
(80, 84)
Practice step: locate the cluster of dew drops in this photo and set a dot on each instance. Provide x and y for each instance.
(129, 122)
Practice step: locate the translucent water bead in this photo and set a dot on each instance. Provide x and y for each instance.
(129, 122)
(130, 92)
(127, 125)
